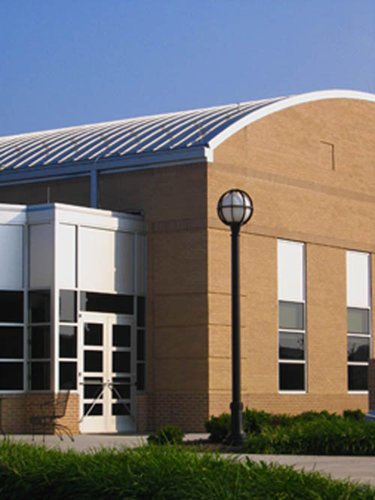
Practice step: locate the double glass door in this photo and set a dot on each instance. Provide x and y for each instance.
(106, 376)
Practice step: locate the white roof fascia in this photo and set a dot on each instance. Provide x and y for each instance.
(285, 103)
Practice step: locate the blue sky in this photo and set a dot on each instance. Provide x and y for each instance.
(67, 62)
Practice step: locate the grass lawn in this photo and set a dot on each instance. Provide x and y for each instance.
(156, 472)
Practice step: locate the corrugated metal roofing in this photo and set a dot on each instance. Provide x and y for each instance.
(101, 142)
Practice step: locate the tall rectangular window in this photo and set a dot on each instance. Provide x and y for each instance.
(292, 313)
(358, 300)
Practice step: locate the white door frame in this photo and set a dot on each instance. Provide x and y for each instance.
(107, 421)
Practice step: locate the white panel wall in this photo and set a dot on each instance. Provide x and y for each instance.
(66, 251)
(358, 279)
(124, 263)
(41, 255)
(291, 270)
(11, 257)
(96, 259)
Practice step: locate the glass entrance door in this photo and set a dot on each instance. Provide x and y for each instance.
(106, 376)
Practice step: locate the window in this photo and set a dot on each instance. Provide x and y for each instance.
(292, 331)
(39, 340)
(11, 341)
(68, 340)
(358, 319)
(141, 344)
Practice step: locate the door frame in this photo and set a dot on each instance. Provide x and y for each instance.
(107, 423)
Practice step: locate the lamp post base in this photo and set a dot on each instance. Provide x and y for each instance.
(236, 436)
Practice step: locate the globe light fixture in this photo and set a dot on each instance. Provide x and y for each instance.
(235, 208)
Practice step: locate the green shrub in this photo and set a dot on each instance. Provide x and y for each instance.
(158, 472)
(354, 414)
(218, 427)
(167, 434)
(337, 436)
(255, 421)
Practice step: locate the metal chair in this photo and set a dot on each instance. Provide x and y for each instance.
(48, 415)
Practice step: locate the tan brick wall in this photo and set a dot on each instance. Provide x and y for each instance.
(16, 411)
(300, 194)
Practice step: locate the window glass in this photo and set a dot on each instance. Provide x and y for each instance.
(93, 361)
(107, 302)
(121, 335)
(121, 361)
(95, 410)
(141, 369)
(93, 386)
(39, 306)
(68, 342)
(11, 310)
(11, 342)
(141, 311)
(357, 378)
(358, 320)
(68, 375)
(11, 376)
(291, 315)
(121, 387)
(291, 345)
(140, 345)
(40, 376)
(358, 348)
(93, 334)
(40, 342)
(68, 306)
(292, 377)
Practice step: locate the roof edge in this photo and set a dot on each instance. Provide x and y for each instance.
(285, 103)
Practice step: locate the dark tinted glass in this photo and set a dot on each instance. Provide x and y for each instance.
(291, 315)
(121, 335)
(68, 306)
(107, 302)
(68, 342)
(11, 310)
(11, 342)
(93, 334)
(40, 342)
(121, 388)
(291, 377)
(96, 410)
(93, 386)
(68, 375)
(141, 369)
(358, 348)
(40, 376)
(93, 361)
(141, 345)
(357, 378)
(120, 409)
(11, 376)
(39, 306)
(141, 311)
(291, 345)
(358, 320)
(121, 361)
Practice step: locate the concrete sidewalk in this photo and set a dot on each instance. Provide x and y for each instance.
(360, 469)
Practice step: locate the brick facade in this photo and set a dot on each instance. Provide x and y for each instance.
(299, 193)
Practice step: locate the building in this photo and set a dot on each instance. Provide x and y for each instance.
(116, 269)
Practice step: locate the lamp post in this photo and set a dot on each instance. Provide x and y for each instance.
(234, 209)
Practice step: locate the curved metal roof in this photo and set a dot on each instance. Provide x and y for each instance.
(102, 142)
(172, 137)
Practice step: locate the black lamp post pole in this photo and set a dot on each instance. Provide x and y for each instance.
(237, 434)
